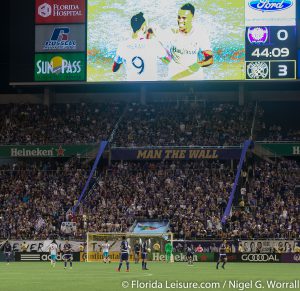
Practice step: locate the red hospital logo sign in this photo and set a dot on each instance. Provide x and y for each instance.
(59, 11)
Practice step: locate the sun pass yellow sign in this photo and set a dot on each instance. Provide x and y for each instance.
(60, 67)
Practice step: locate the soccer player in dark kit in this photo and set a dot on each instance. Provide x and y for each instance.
(124, 254)
(222, 255)
(190, 255)
(7, 251)
(137, 250)
(67, 254)
(144, 255)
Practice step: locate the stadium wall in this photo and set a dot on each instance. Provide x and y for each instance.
(216, 96)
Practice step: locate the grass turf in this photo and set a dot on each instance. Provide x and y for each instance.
(37, 276)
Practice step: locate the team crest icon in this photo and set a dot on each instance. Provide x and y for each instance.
(257, 35)
(257, 70)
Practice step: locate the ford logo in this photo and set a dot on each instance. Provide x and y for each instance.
(270, 5)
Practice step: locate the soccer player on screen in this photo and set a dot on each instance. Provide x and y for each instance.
(222, 255)
(189, 46)
(124, 254)
(67, 257)
(53, 253)
(105, 248)
(140, 54)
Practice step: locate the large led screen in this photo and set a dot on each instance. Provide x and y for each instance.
(165, 40)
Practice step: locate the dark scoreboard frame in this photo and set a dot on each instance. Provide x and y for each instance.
(267, 61)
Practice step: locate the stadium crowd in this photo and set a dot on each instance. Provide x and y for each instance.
(278, 122)
(184, 124)
(36, 124)
(278, 133)
(271, 207)
(192, 195)
(35, 196)
(143, 125)
(154, 124)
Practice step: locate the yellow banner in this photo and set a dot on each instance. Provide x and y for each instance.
(98, 256)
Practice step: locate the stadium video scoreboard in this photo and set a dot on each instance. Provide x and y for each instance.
(98, 41)
(271, 52)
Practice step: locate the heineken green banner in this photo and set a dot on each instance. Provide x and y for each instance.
(60, 67)
(47, 151)
(282, 149)
(181, 257)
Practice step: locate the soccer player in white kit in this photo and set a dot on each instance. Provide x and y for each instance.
(189, 46)
(105, 250)
(53, 253)
(140, 54)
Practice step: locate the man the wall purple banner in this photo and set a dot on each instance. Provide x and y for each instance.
(175, 153)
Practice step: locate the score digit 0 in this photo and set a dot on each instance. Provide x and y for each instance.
(282, 34)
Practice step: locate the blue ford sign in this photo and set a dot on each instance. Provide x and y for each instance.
(270, 5)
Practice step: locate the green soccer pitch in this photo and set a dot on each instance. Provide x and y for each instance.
(36, 276)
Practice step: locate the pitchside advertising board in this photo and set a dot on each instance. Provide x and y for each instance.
(268, 258)
(160, 257)
(205, 251)
(249, 40)
(44, 257)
